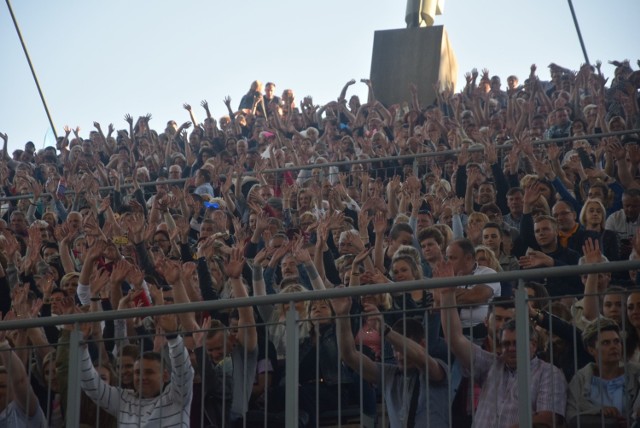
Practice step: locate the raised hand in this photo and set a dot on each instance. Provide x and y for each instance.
(129, 119)
(591, 251)
(204, 104)
(170, 270)
(236, 262)
(380, 223)
(443, 269)
(187, 107)
(120, 272)
(227, 101)
(99, 280)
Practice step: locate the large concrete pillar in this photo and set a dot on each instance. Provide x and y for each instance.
(413, 55)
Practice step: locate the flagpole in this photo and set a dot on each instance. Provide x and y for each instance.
(575, 22)
(33, 71)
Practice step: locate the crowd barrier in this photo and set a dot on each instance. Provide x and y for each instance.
(357, 412)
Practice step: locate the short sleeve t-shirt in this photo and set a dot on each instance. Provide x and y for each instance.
(471, 316)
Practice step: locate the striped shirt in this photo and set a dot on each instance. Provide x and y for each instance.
(169, 409)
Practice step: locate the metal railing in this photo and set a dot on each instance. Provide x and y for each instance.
(508, 144)
(291, 321)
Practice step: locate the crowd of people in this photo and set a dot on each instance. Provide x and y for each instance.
(281, 196)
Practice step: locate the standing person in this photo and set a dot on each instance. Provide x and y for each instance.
(427, 376)
(150, 404)
(250, 100)
(497, 373)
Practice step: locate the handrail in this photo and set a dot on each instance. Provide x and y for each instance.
(424, 284)
(397, 158)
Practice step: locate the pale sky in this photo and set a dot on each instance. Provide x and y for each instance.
(100, 60)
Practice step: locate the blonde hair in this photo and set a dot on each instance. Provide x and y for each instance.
(494, 263)
(447, 233)
(583, 211)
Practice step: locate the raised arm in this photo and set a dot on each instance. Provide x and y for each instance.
(357, 361)
(247, 335)
(23, 394)
(459, 345)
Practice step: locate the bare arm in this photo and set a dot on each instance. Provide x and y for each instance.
(451, 325)
(247, 335)
(480, 293)
(23, 394)
(348, 352)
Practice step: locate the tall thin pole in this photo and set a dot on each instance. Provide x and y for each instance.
(33, 71)
(575, 22)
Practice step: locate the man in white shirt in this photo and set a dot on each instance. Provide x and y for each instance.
(625, 221)
(473, 298)
(150, 404)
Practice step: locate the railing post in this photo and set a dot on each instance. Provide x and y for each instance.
(291, 373)
(524, 357)
(72, 415)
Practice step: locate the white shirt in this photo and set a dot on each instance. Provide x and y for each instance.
(619, 224)
(471, 316)
(169, 409)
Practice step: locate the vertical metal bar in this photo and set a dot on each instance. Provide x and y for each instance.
(72, 415)
(291, 372)
(575, 22)
(522, 350)
(33, 71)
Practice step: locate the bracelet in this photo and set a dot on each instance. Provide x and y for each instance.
(96, 299)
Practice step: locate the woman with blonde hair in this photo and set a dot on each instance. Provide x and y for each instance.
(487, 258)
(593, 216)
(475, 224)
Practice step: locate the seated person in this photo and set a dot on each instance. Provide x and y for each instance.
(604, 393)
